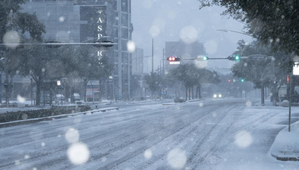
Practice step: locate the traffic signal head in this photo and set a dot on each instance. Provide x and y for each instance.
(242, 80)
(234, 58)
(228, 80)
(173, 59)
(205, 58)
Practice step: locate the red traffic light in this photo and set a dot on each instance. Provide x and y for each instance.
(173, 59)
(228, 80)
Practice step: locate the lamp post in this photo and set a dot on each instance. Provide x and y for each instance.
(112, 83)
(64, 88)
(59, 86)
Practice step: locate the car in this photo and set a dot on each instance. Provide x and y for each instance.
(179, 100)
(217, 96)
(76, 97)
(58, 97)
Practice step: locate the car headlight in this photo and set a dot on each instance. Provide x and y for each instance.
(220, 95)
(215, 95)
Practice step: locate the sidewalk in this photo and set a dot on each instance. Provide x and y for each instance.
(286, 144)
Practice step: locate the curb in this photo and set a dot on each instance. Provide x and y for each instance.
(285, 158)
(167, 104)
(28, 121)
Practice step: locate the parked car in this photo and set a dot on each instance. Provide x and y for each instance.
(58, 97)
(76, 97)
(179, 100)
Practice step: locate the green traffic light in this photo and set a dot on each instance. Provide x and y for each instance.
(205, 58)
(242, 80)
(237, 57)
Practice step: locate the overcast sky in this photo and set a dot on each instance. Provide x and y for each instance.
(170, 20)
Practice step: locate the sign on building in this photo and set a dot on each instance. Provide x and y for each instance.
(296, 68)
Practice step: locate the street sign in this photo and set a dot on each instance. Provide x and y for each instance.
(174, 62)
(296, 68)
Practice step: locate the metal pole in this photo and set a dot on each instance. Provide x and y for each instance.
(7, 88)
(1, 88)
(112, 89)
(31, 91)
(163, 61)
(136, 60)
(160, 67)
(152, 55)
(290, 101)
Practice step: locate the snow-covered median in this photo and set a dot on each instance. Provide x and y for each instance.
(286, 144)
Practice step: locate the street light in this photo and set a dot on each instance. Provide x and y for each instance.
(112, 82)
(59, 86)
(64, 85)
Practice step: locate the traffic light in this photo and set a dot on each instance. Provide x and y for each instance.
(202, 58)
(234, 58)
(242, 80)
(205, 58)
(173, 59)
(228, 80)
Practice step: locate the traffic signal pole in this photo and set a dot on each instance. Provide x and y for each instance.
(290, 101)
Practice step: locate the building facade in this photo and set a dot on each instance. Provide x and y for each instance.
(92, 20)
(137, 62)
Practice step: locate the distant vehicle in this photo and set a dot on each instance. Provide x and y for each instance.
(76, 97)
(282, 93)
(179, 100)
(58, 97)
(217, 96)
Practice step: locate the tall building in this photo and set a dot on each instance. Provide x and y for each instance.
(91, 20)
(137, 62)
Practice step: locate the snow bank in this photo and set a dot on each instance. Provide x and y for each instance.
(286, 144)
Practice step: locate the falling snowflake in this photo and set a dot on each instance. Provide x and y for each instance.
(148, 154)
(177, 158)
(72, 135)
(243, 139)
(78, 153)
(131, 46)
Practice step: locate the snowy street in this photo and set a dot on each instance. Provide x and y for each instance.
(209, 134)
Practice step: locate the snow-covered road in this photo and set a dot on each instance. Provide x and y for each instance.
(210, 134)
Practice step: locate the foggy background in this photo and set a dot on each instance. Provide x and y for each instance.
(168, 20)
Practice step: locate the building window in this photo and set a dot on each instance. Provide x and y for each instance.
(115, 69)
(124, 33)
(125, 57)
(114, 5)
(124, 19)
(116, 18)
(124, 5)
(115, 32)
(124, 45)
